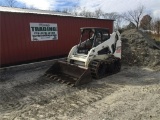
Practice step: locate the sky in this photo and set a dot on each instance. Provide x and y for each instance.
(152, 7)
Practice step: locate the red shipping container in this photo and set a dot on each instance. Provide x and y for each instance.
(16, 45)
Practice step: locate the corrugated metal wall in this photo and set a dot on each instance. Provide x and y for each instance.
(16, 44)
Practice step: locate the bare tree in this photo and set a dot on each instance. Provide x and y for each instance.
(134, 16)
(86, 13)
(75, 10)
(98, 13)
(114, 16)
(28, 7)
(11, 3)
(66, 10)
(79, 11)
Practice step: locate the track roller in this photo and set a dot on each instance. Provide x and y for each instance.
(102, 68)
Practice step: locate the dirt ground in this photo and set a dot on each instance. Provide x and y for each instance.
(132, 94)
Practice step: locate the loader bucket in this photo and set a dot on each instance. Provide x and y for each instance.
(69, 73)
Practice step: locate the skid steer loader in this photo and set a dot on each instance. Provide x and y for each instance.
(98, 54)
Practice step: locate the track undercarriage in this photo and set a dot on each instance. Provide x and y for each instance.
(73, 75)
(102, 68)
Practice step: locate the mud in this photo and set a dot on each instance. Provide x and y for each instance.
(133, 93)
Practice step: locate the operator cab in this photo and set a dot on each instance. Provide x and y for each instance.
(92, 37)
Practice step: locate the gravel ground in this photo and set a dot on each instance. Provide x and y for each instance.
(132, 94)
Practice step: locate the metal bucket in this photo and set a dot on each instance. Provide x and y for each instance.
(69, 73)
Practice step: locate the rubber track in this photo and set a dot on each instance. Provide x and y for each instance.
(95, 64)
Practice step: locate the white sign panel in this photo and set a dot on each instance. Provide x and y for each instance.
(43, 31)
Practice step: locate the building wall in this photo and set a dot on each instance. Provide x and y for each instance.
(16, 44)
